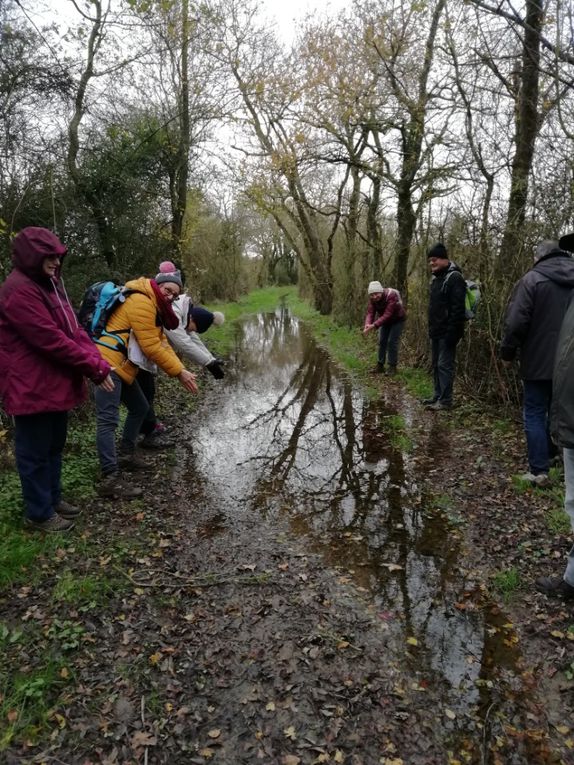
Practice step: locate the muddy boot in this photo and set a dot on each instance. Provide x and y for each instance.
(66, 510)
(113, 485)
(155, 440)
(53, 525)
(379, 369)
(129, 460)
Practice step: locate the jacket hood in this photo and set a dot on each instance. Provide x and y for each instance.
(444, 271)
(31, 246)
(181, 308)
(557, 266)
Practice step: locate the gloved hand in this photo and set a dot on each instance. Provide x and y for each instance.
(215, 368)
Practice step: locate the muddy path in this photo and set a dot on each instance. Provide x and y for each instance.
(368, 633)
(317, 588)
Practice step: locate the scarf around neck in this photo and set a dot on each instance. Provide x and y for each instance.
(167, 317)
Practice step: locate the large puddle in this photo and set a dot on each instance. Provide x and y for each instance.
(287, 437)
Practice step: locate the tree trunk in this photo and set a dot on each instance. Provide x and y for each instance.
(510, 263)
(179, 188)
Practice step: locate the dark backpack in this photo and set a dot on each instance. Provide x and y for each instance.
(98, 304)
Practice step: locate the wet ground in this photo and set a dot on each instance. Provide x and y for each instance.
(307, 582)
(288, 451)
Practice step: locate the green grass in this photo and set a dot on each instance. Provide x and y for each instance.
(506, 582)
(502, 427)
(418, 382)
(83, 591)
(27, 700)
(558, 521)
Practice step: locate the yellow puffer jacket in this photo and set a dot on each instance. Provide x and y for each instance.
(139, 314)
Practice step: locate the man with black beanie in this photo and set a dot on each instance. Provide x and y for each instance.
(446, 323)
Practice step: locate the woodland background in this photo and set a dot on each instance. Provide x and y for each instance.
(145, 129)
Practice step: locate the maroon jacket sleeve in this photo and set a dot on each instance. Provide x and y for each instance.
(38, 327)
(369, 318)
(391, 301)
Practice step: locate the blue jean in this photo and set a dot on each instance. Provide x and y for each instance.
(108, 417)
(443, 367)
(39, 443)
(569, 508)
(389, 336)
(536, 410)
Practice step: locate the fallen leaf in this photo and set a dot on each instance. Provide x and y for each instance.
(141, 738)
(270, 706)
(563, 729)
(290, 759)
(290, 732)
(450, 714)
(339, 756)
(207, 753)
(215, 733)
(412, 641)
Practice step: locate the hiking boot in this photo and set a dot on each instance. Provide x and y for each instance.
(555, 587)
(131, 461)
(542, 480)
(379, 369)
(155, 440)
(439, 406)
(113, 486)
(53, 525)
(66, 510)
(429, 401)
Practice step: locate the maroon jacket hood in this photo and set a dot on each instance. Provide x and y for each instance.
(31, 246)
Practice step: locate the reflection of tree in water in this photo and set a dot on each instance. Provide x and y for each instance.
(315, 454)
(311, 448)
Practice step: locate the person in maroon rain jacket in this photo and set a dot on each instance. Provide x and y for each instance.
(44, 357)
(385, 313)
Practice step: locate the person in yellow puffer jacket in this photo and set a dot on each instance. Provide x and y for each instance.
(143, 316)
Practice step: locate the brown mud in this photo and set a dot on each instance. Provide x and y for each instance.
(309, 582)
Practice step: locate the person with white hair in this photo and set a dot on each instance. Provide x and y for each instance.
(532, 324)
(386, 315)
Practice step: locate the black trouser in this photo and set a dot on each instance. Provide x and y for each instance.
(146, 382)
(39, 443)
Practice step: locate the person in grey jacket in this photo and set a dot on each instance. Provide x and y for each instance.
(532, 323)
(562, 430)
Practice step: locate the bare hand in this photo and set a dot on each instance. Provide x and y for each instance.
(187, 379)
(107, 384)
(368, 328)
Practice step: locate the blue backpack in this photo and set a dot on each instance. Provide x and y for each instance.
(98, 304)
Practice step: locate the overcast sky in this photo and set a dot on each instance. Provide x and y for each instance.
(287, 13)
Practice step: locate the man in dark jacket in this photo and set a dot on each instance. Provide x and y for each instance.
(446, 323)
(562, 429)
(533, 319)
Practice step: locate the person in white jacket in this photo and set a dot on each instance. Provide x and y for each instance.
(193, 321)
(185, 340)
